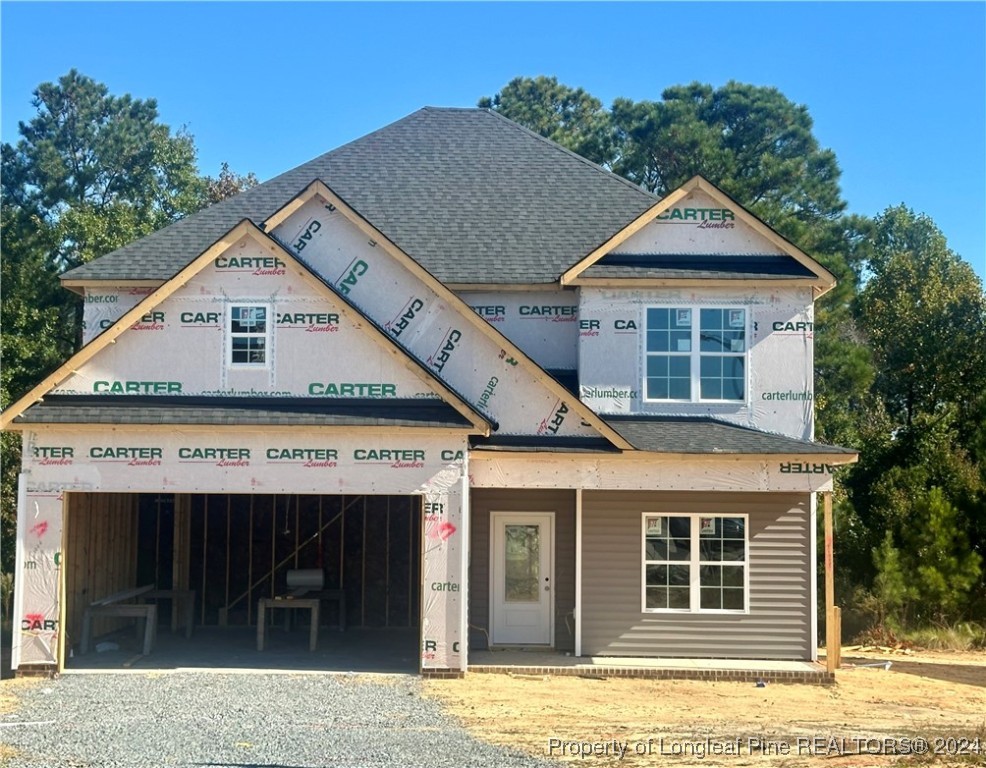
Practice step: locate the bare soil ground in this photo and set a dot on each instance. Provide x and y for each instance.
(939, 697)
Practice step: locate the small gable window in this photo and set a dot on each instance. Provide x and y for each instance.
(249, 335)
(696, 354)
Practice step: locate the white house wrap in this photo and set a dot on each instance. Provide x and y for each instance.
(426, 324)
(780, 394)
(263, 462)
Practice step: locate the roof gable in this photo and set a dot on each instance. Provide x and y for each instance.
(322, 344)
(699, 232)
(455, 189)
(430, 321)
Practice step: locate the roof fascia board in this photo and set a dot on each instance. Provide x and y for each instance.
(110, 335)
(93, 283)
(834, 459)
(320, 189)
(283, 213)
(685, 282)
(127, 427)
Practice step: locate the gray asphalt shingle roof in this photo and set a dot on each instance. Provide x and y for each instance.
(257, 411)
(691, 434)
(470, 195)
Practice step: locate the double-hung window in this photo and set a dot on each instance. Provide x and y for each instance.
(696, 354)
(695, 563)
(249, 335)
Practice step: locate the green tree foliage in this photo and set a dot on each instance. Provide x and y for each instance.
(227, 184)
(90, 173)
(37, 334)
(947, 569)
(99, 170)
(749, 140)
(893, 587)
(924, 312)
(931, 577)
(569, 116)
(899, 463)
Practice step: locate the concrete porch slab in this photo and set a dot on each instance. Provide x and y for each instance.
(546, 662)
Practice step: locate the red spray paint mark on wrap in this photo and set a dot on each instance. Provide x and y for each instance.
(33, 621)
(39, 529)
(442, 531)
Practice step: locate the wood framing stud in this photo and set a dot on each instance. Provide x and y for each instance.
(832, 639)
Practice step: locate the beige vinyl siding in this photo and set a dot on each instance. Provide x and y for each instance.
(778, 624)
(482, 503)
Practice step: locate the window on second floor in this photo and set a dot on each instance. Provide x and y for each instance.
(696, 354)
(249, 335)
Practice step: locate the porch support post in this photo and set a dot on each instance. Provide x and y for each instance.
(20, 568)
(832, 639)
(578, 572)
(813, 575)
(62, 584)
(464, 549)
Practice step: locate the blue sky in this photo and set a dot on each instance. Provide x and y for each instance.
(897, 90)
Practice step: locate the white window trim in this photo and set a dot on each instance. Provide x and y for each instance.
(695, 355)
(267, 335)
(694, 585)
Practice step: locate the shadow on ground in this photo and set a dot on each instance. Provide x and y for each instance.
(355, 650)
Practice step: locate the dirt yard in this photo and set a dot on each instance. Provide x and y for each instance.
(861, 721)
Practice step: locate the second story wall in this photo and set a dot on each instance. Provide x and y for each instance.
(737, 355)
(544, 324)
(286, 339)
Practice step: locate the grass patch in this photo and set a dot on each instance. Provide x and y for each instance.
(966, 636)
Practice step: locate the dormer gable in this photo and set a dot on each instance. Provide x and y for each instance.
(698, 235)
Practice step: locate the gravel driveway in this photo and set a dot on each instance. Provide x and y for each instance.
(216, 719)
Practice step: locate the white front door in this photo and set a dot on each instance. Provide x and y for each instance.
(521, 589)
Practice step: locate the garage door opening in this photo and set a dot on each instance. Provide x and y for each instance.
(210, 559)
